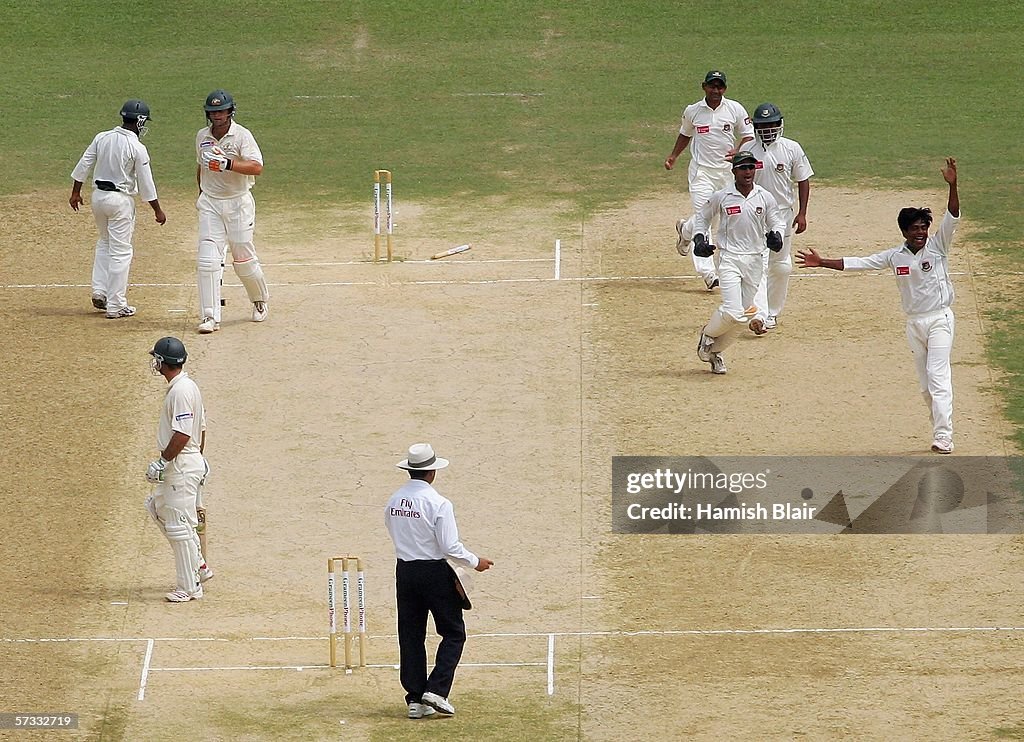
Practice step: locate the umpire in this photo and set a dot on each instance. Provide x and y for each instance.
(421, 523)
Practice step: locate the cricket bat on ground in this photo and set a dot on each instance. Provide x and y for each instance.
(453, 251)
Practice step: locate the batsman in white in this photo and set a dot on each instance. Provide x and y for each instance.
(180, 470)
(921, 268)
(227, 163)
(122, 169)
(785, 172)
(749, 224)
(712, 125)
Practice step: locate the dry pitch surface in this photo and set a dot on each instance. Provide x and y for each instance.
(530, 385)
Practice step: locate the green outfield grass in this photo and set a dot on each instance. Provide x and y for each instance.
(530, 101)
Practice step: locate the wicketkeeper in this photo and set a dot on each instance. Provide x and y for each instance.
(751, 223)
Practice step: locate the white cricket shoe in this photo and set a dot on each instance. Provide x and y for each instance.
(420, 710)
(122, 312)
(771, 322)
(704, 344)
(717, 363)
(682, 246)
(100, 302)
(208, 325)
(438, 703)
(205, 574)
(942, 445)
(182, 596)
(260, 311)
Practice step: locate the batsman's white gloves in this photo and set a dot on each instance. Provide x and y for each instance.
(218, 163)
(155, 471)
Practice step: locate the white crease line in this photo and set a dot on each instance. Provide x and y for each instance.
(300, 668)
(551, 664)
(745, 632)
(145, 670)
(430, 282)
(406, 262)
(639, 632)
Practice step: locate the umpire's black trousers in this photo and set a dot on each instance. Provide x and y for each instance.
(428, 586)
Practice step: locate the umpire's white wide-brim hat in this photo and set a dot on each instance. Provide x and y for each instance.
(422, 458)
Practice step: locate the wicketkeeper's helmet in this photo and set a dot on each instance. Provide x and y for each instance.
(170, 351)
(219, 100)
(767, 122)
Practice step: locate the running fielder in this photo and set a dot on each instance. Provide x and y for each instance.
(749, 224)
(712, 125)
(785, 172)
(228, 161)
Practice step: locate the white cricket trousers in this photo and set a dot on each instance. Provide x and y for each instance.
(173, 507)
(114, 213)
(930, 337)
(703, 182)
(778, 266)
(227, 223)
(739, 275)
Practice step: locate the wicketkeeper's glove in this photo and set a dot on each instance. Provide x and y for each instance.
(701, 247)
(774, 241)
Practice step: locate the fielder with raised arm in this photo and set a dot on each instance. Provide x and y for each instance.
(228, 159)
(921, 268)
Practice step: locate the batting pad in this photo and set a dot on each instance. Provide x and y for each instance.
(185, 546)
(209, 276)
(251, 275)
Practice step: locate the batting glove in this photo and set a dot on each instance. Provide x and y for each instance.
(216, 162)
(701, 247)
(206, 472)
(774, 241)
(155, 471)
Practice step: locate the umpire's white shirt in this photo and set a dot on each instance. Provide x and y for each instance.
(119, 158)
(182, 413)
(744, 220)
(923, 279)
(780, 166)
(714, 131)
(422, 524)
(238, 142)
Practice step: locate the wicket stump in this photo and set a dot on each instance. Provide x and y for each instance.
(389, 219)
(346, 608)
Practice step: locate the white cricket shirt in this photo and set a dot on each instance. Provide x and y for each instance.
(923, 279)
(780, 166)
(714, 131)
(120, 158)
(182, 412)
(422, 525)
(238, 142)
(743, 220)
